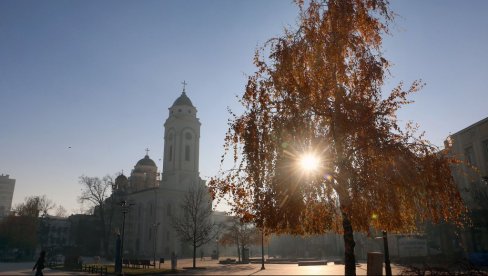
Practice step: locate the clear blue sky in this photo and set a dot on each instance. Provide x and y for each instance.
(99, 76)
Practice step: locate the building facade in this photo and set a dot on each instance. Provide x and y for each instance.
(154, 198)
(7, 187)
(471, 146)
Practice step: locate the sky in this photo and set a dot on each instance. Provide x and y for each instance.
(85, 86)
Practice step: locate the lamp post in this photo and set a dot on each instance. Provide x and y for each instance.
(387, 254)
(125, 209)
(155, 225)
(262, 249)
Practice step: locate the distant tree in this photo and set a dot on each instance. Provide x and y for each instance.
(19, 232)
(34, 206)
(241, 234)
(194, 223)
(22, 230)
(319, 92)
(61, 211)
(95, 191)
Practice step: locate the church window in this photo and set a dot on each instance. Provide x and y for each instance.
(170, 157)
(168, 210)
(189, 111)
(188, 136)
(179, 110)
(187, 153)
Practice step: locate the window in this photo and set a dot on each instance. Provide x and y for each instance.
(170, 157)
(187, 153)
(485, 149)
(469, 155)
(168, 210)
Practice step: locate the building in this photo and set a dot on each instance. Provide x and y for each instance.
(7, 186)
(154, 198)
(471, 146)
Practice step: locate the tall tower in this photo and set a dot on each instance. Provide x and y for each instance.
(181, 142)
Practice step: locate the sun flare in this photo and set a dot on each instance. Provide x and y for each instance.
(309, 162)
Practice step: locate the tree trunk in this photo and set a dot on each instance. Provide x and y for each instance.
(349, 258)
(238, 252)
(194, 255)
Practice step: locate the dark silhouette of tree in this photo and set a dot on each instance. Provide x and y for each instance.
(96, 191)
(194, 223)
(61, 211)
(34, 206)
(23, 228)
(319, 92)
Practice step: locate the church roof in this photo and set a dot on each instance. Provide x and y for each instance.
(183, 100)
(146, 161)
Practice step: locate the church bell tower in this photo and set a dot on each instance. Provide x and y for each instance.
(181, 139)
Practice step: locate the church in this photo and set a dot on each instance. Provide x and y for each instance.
(154, 197)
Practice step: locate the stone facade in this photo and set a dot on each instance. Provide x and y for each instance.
(471, 146)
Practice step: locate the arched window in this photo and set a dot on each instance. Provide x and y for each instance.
(187, 153)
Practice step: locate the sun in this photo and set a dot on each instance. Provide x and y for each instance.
(309, 162)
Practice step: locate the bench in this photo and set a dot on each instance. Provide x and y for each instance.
(93, 269)
(146, 263)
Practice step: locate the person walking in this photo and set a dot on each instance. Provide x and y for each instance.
(39, 266)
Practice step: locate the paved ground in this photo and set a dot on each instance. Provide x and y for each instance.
(26, 269)
(211, 267)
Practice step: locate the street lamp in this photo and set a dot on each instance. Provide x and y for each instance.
(387, 252)
(155, 225)
(125, 209)
(262, 248)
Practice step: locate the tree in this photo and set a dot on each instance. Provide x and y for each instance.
(61, 212)
(320, 92)
(194, 224)
(22, 229)
(95, 191)
(34, 206)
(241, 234)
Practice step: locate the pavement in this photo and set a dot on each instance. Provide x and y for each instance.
(212, 267)
(26, 269)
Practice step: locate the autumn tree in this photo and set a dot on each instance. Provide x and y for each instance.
(194, 223)
(317, 91)
(96, 191)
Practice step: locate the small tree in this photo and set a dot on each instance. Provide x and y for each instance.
(96, 191)
(241, 234)
(194, 223)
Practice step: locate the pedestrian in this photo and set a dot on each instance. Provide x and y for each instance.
(201, 255)
(39, 266)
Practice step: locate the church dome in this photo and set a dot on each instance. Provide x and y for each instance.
(146, 161)
(120, 178)
(183, 100)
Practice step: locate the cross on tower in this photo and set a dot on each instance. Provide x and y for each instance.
(184, 86)
(147, 151)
